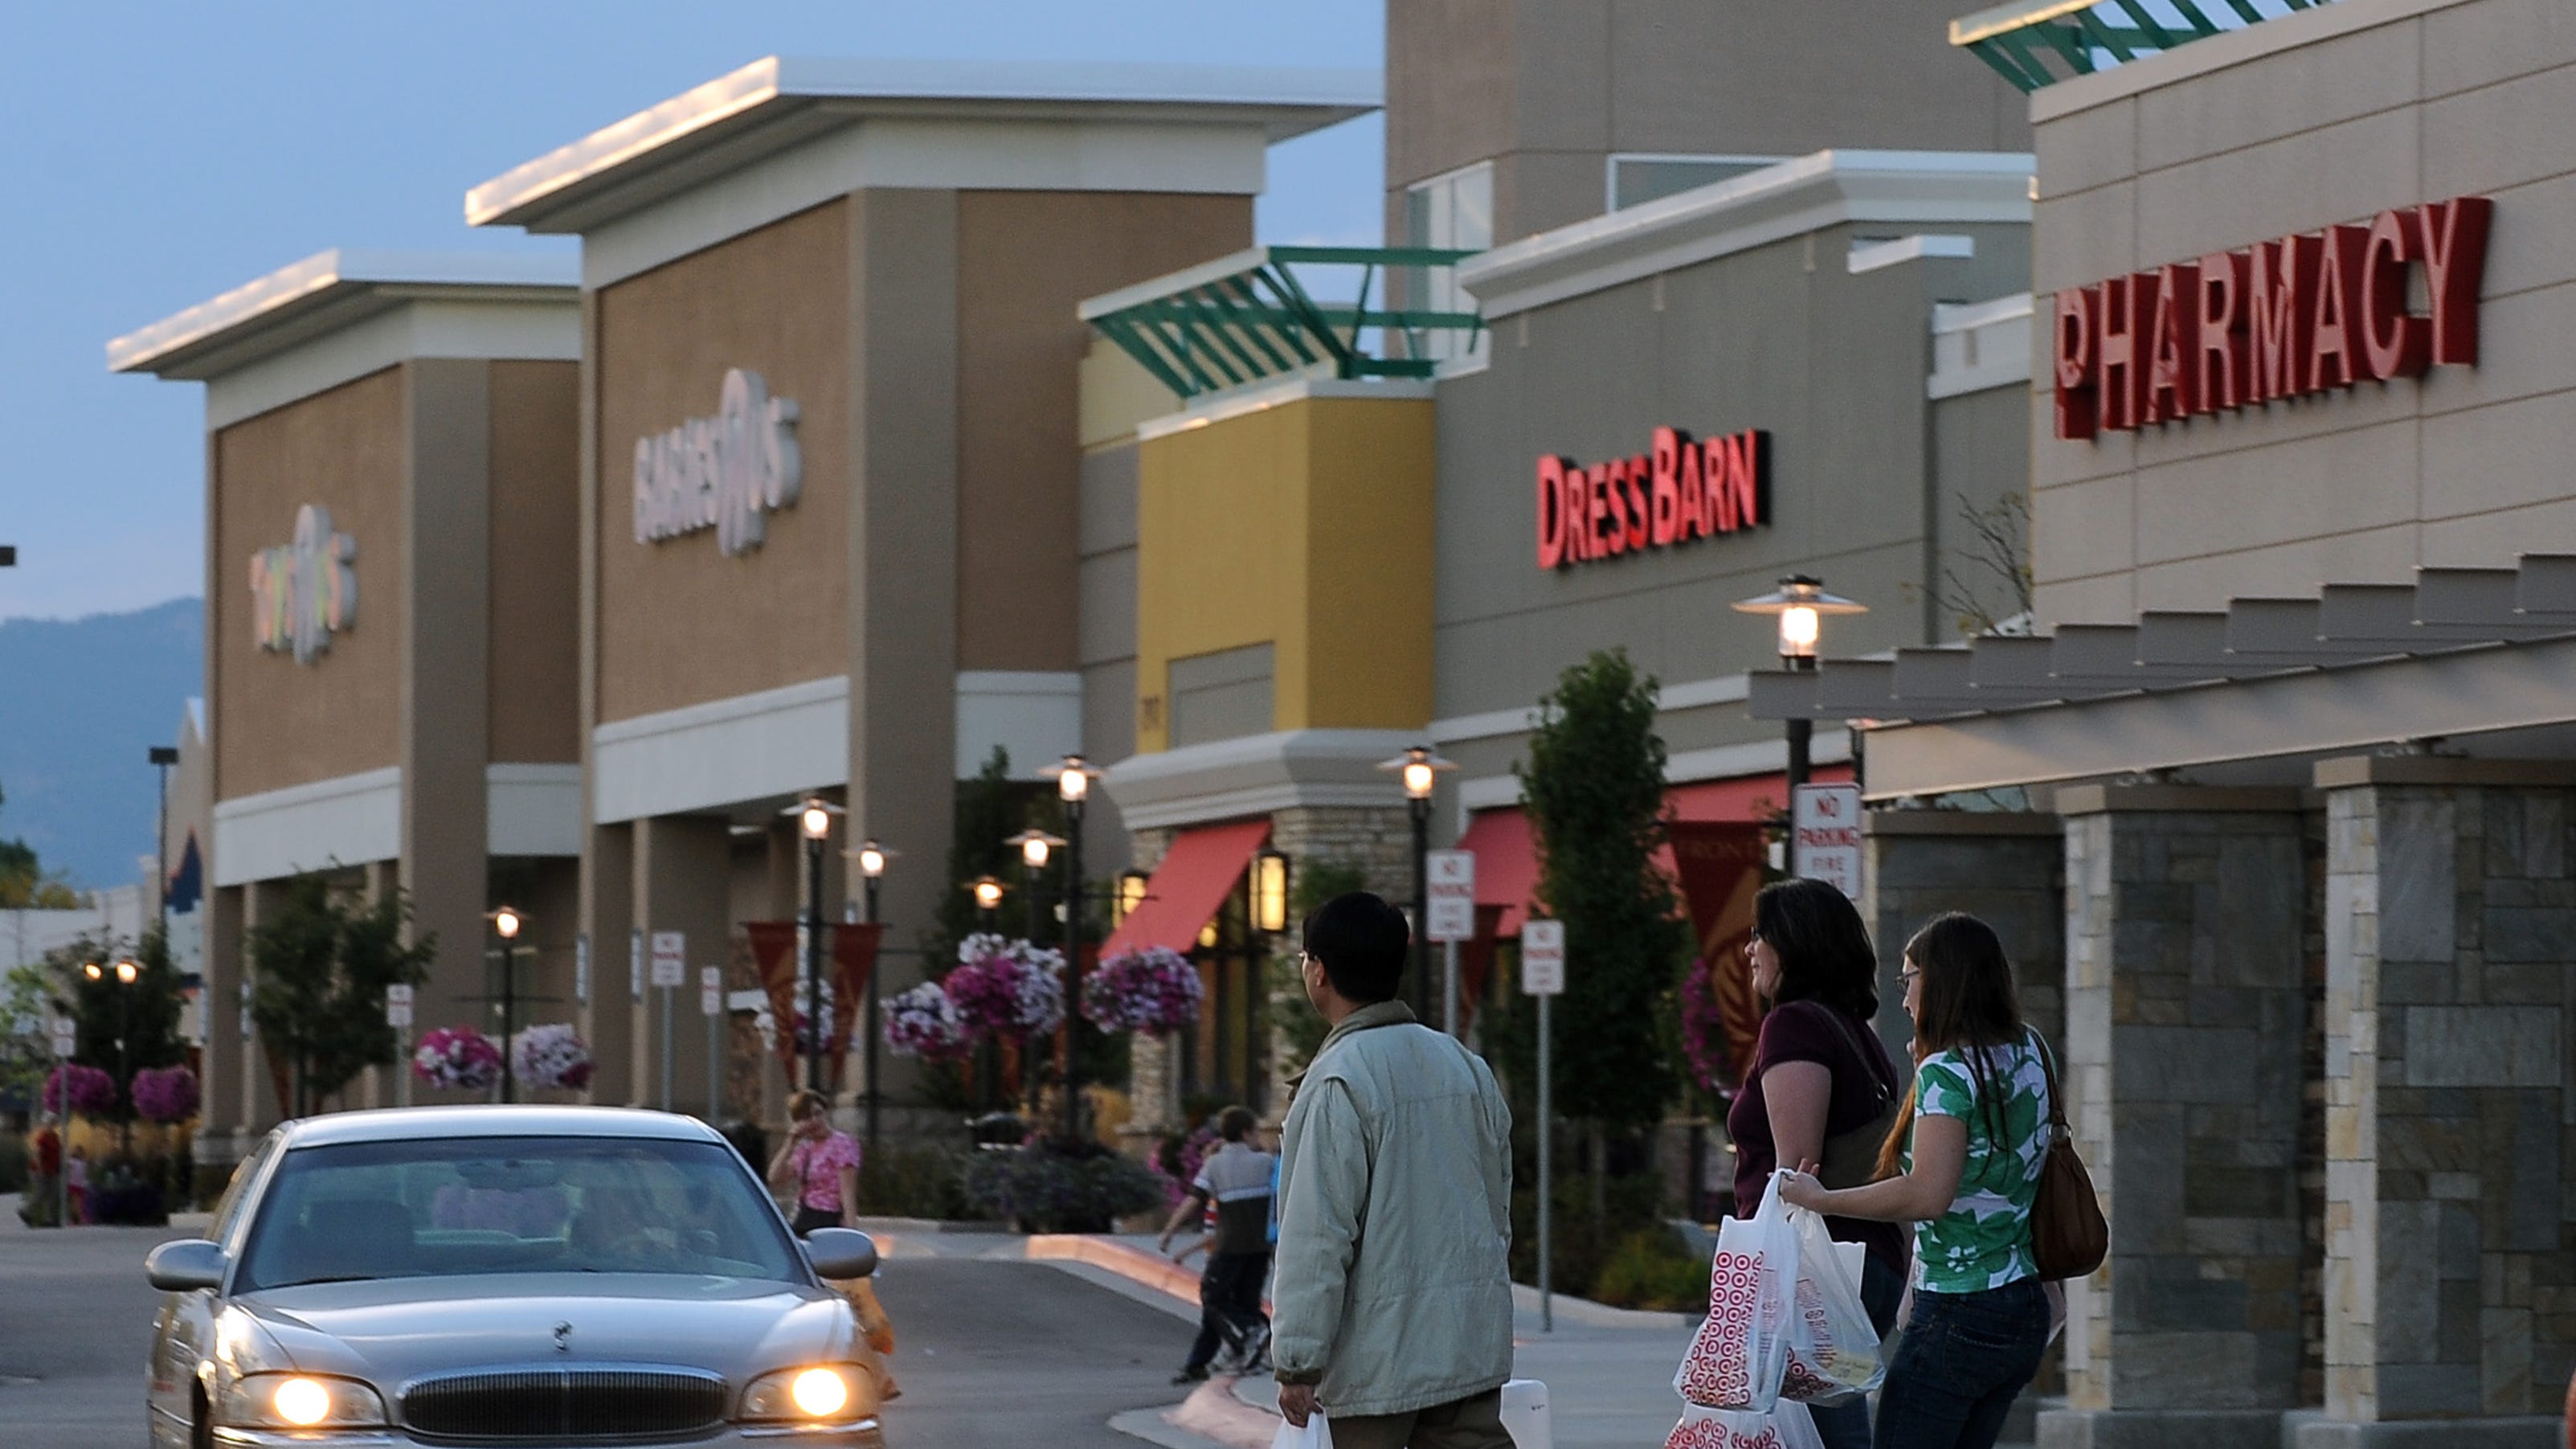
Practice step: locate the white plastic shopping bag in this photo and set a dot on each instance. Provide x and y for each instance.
(1737, 1358)
(1785, 1427)
(1313, 1436)
(1833, 1347)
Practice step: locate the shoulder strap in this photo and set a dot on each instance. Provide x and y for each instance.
(1851, 1038)
(2048, 1069)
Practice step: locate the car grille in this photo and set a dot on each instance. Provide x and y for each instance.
(573, 1402)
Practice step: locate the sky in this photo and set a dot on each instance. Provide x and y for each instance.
(159, 154)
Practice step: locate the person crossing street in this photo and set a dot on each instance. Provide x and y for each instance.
(1234, 1184)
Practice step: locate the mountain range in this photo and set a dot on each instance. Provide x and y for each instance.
(81, 703)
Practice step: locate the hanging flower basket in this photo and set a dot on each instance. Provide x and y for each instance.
(1154, 990)
(1006, 989)
(552, 1055)
(92, 1092)
(165, 1094)
(923, 1022)
(457, 1059)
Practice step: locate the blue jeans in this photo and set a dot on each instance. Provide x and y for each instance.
(1846, 1425)
(1962, 1361)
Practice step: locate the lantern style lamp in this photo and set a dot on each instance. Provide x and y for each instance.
(1131, 891)
(1270, 891)
(1420, 770)
(1800, 604)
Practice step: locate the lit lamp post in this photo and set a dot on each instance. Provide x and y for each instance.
(162, 758)
(1035, 847)
(1420, 770)
(125, 972)
(988, 897)
(1073, 777)
(872, 859)
(506, 922)
(1799, 603)
(814, 822)
(1131, 891)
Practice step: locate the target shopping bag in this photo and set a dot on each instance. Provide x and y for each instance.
(1741, 1351)
(1833, 1348)
(1785, 1427)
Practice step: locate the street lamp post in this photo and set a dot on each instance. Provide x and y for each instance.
(988, 898)
(507, 921)
(162, 758)
(1799, 603)
(1035, 847)
(814, 822)
(1420, 771)
(126, 971)
(1073, 777)
(872, 859)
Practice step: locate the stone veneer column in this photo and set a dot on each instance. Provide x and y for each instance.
(1151, 1061)
(2450, 1101)
(2185, 911)
(2007, 868)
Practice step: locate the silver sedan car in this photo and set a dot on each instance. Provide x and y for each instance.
(521, 1276)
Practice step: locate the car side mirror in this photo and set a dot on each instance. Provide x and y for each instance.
(840, 1252)
(193, 1263)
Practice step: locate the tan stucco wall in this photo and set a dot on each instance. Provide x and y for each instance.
(679, 623)
(276, 722)
(1026, 260)
(536, 551)
(2170, 159)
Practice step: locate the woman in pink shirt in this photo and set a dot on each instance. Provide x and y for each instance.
(823, 1163)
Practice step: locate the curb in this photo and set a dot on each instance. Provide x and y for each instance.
(1160, 1274)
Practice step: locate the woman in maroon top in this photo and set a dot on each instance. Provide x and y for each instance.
(1821, 1087)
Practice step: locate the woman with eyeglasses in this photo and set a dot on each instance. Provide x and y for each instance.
(1962, 1164)
(1821, 1087)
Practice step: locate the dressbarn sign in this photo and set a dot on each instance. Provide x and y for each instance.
(2279, 319)
(727, 472)
(1676, 491)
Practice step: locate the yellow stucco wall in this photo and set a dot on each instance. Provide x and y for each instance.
(1306, 526)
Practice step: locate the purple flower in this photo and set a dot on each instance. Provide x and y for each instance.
(923, 1022)
(458, 1058)
(165, 1094)
(1006, 988)
(93, 1092)
(1154, 990)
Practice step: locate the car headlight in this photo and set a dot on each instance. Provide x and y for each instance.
(817, 1394)
(301, 1401)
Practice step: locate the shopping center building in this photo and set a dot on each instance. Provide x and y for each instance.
(389, 624)
(2291, 737)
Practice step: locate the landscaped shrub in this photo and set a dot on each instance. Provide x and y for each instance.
(918, 1181)
(1061, 1187)
(1650, 1268)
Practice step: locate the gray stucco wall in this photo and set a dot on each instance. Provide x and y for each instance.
(2318, 118)
(1781, 337)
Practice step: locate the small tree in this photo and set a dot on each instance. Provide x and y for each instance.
(320, 968)
(26, 885)
(1594, 789)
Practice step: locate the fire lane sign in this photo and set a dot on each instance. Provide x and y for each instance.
(1824, 836)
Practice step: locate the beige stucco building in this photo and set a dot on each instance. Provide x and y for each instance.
(864, 276)
(389, 626)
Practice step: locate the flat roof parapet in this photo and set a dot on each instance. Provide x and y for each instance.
(779, 102)
(327, 292)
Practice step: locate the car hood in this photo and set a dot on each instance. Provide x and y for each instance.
(391, 1330)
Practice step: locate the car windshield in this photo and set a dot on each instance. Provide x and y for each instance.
(446, 1207)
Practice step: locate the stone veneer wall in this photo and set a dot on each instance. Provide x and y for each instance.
(2186, 912)
(1377, 839)
(2005, 868)
(2450, 1090)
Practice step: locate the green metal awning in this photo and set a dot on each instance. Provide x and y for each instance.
(1254, 316)
(2035, 43)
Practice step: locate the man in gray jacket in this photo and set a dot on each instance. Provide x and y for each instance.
(1392, 1308)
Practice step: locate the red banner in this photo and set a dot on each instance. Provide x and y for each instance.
(1719, 866)
(854, 955)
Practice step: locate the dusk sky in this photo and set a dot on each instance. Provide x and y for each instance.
(159, 154)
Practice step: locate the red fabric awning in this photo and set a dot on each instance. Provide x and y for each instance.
(1506, 864)
(1196, 876)
(1507, 855)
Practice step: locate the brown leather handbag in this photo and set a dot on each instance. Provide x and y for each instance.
(2068, 1235)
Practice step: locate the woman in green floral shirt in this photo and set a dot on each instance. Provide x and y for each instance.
(1962, 1165)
